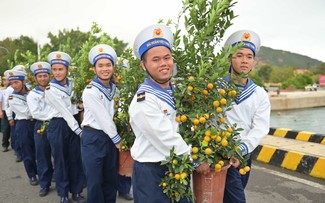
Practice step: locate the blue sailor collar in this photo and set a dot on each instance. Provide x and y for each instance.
(248, 90)
(64, 88)
(155, 89)
(38, 90)
(19, 95)
(109, 92)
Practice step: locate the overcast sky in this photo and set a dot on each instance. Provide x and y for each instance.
(297, 26)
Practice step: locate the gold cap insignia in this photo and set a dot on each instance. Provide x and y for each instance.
(157, 32)
(11, 74)
(100, 50)
(246, 37)
(58, 56)
(39, 66)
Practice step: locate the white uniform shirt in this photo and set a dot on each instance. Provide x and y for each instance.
(251, 112)
(152, 117)
(59, 99)
(39, 109)
(8, 110)
(99, 109)
(18, 105)
(2, 98)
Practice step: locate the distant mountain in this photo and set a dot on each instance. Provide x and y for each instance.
(282, 58)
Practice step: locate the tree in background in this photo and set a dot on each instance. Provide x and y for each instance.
(24, 50)
(298, 81)
(320, 69)
(73, 40)
(280, 74)
(264, 72)
(254, 75)
(13, 51)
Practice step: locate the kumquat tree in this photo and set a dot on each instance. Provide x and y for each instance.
(202, 95)
(129, 75)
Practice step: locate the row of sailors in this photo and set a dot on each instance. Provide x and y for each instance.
(49, 106)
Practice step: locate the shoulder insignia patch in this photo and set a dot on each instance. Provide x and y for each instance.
(10, 97)
(89, 86)
(48, 87)
(141, 96)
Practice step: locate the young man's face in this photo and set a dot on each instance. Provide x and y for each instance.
(59, 71)
(104, 69)
(159, 62)
(243, 61)
(17, 85)
(6, 82)
(42, 79)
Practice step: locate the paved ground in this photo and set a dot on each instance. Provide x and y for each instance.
(15, 187)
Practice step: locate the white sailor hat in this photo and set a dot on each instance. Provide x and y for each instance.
(15, 74)
(101, 51)
(250, 39)
(152, 36)
(19, 68)
(40, 67)
(58, 57)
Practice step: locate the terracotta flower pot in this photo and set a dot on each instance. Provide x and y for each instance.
(125, 163)
(209, 188)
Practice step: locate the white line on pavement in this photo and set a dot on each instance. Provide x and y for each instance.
(289, 177)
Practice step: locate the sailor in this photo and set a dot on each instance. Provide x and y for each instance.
(40, 112)
(250, 111)
(11, 117)
(63, 130)
(100, 140)
(5, 127)
(152, 116)
(24, 123)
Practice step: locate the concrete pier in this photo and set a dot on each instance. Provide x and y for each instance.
(297, 100)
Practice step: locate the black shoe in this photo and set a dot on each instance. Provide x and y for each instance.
(128, 197)
(43, 192)
(18, 159)
(33, 181)
(5, 149)
(78, 198)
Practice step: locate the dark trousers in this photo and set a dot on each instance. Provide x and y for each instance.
(99, 157)
(25, 136)
(5, 128)
(235, 185)
(123, 185)
(146, 178)
(65, 147)
(43, 157)
(15, 141)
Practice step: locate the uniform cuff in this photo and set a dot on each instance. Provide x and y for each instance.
(78, 131)
(116, 139)
(195, 164)
(243, 148)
